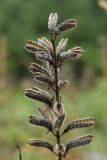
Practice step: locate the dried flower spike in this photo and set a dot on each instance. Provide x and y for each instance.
(53, 116)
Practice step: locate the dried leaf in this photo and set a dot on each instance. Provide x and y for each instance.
(40, 143)
(80, 123)
(40, 122)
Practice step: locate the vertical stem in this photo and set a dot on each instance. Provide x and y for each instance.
(56, 90)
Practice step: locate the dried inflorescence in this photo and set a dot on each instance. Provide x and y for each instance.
(53, 116)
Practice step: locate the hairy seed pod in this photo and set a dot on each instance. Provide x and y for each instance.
(72, 53)
(44, 42)
(63, 83)
(35, 48)
(44, 57)
(40, 122)
(60, 149)
(43, 78)
(78, 142)
(34, 67)
(58, 123)
(37, 95)
(43, 113)
(52, 22)
(61, 46)
(40, 143)
(48, 43)
(80, 123)
(68, 24)
(58, 109)
(40, 90)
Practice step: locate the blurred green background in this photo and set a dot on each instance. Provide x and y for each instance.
(21, 20)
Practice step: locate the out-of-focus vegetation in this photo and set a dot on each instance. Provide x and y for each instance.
(87, 95)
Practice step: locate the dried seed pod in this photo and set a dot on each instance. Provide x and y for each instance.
(34, 67)
(40, 90)
(68, 24)
(61, 46)
(43, 41)
(58, 123)
(78, 142)
(43, 78)
(48, 43)
(60, 149)
(37, 95)
(45, 57)
(72, 53)
(80, 123)
(52, 22)
(43, 113)
(58, 109)
(40, 122)
(40, 143)
(63, 83)
(35, 48)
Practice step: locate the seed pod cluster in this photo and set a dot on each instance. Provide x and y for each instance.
(53, 116)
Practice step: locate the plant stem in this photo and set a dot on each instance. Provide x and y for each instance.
(56, 90)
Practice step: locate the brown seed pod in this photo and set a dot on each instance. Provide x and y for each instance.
(50, 114)
(40, 143)
(43, 41)
(43, 78)
(80, 123)
(48, 43)
(34, 67)
(72, 53)
(45, 57)
(37, 95)
(78, 142)
(40, 122)
(35, 48)
(68, 24)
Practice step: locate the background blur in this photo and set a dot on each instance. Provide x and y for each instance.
(21, 20)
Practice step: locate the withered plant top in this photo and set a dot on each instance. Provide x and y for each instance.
(52, 117)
